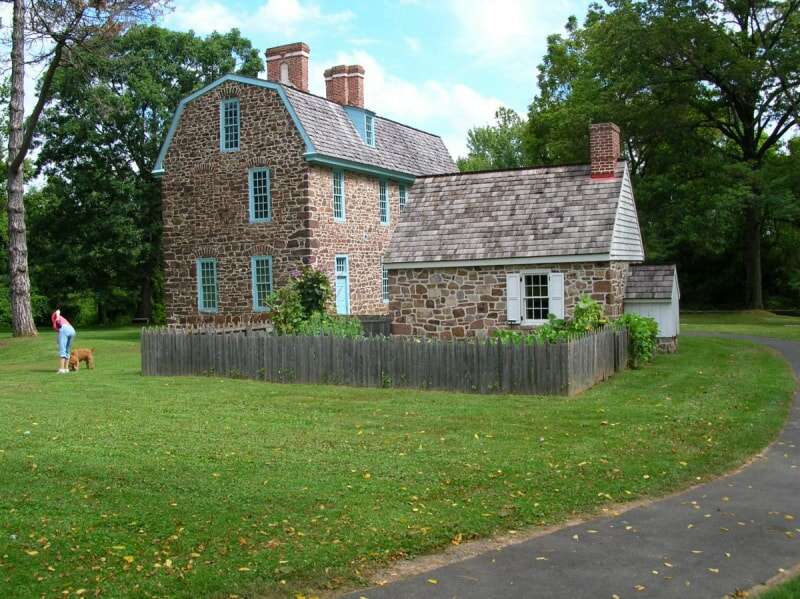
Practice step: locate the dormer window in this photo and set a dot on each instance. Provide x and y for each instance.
(229, 125)
(369, 128)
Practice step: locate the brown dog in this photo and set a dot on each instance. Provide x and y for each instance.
(81, 355)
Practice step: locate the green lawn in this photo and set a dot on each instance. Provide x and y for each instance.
(789, 590)
(193, 487)
(751, 322)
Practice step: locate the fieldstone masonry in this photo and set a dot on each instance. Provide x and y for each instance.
(206, 210)
(470, 301)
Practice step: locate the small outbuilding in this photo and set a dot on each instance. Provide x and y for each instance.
(652, 290)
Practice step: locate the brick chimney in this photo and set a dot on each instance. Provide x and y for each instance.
(355, 85)
(345, 85)
(604, 149)
(288, 64)
(336, 88)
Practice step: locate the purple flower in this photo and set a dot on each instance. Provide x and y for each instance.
(294, 273)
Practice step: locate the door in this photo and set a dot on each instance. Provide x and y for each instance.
(342, 285)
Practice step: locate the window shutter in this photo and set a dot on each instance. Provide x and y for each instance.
(555, 285)
(513, 297)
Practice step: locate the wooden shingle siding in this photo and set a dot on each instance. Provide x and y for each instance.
(626, 238)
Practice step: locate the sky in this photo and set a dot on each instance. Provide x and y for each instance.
(444, 66)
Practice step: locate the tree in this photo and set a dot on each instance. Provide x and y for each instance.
(102, 135)
(495, 146)
(61, 28)
(705, 94)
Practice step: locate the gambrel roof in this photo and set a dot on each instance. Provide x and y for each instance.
(532, 215)
(401, 152)
(651, 282)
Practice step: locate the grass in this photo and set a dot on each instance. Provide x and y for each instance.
(788, 590)
(750, 322)
(199, 487)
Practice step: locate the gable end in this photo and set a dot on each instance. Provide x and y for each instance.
(626, 238)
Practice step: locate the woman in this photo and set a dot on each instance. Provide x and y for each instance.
(65, 336)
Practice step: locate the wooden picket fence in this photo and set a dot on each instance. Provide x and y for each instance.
(476, 367)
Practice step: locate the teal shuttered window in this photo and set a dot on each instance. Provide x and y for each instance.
(261, 267)
(338, 196)
(207, 286)
(229, 125)
(260, 195)
(383, 203)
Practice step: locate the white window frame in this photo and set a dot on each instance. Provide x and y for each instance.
(369, 129)
(402, 194)
(524, 296)
(384, 283)
(384, 212)
(338, 176)
(223, 125)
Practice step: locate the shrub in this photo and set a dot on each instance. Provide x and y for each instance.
(314, 289)
(286, 309)
(588, 317)
(320, 323)
(643, 333)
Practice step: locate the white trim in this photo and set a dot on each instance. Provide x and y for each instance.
(288, 55)
(329, 77)
(500, 261)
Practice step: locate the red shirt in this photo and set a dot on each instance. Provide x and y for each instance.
(58, 321)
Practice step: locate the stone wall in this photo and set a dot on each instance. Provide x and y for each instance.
(205, 201)
(361, 236)
(471, 301)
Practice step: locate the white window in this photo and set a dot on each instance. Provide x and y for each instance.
(260, 195)
(338, 196)
(229, 125)
(403, 196)
(384, 283)
(369, 129)
(207, 287)
(532, 296)
(383, 203)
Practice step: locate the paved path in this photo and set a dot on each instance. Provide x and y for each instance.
(742, 532)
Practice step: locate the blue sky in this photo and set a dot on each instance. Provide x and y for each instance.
(443, 65)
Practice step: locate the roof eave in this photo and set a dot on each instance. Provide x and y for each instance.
(502, 261)
(359, 167)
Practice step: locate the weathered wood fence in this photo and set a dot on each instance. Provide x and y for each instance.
(477, 367)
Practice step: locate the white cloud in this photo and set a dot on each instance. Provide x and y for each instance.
(507, 32)
(413, 44)
(449, 110)
(283, 17)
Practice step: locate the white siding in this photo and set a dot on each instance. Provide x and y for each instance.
(626, 239)
(666, 312)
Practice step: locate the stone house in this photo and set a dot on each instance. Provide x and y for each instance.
(504, 249)
(260, 177)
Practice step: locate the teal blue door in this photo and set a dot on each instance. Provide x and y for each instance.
(342, 285)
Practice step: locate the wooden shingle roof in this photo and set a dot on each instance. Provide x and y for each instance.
(397, 147)
(557, 211)
(650, 282)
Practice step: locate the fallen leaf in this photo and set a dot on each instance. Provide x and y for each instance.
(433, 581)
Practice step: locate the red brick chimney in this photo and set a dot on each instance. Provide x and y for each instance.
(288, 64)
(355, 85)
(604, 149)
(345, 85)
(336, 88)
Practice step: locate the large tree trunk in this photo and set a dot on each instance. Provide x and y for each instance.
(752, 259)
(21, 314)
